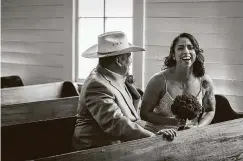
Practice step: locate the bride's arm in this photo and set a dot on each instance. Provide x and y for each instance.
(209, 102)
(151, 98)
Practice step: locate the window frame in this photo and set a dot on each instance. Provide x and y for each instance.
(138, 39)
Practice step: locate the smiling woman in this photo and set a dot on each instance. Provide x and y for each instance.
(184, 75)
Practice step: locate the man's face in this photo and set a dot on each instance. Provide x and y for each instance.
(125, 61)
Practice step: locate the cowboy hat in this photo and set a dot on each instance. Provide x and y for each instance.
(111, 44)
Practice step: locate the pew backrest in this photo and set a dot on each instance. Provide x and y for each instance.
(39, 92)
(222, 141)
(11, 81)
(39, 111)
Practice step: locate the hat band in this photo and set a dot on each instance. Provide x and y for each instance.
(107, 53)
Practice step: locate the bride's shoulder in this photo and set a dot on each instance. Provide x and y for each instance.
(158, 79)
(207, 82)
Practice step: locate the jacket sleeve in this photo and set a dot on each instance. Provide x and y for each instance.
(100, 101)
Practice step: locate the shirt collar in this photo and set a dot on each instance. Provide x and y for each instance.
(116, 75)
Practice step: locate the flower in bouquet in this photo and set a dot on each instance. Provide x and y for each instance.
(186, 107)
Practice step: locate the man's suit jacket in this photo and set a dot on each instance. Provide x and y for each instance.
(106, 114)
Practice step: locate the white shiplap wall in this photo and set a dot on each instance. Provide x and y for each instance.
(37, 40)
(216, 24)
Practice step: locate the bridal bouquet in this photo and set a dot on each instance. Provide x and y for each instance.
(186, 107)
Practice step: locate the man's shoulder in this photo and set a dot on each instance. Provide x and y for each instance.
(94, 79)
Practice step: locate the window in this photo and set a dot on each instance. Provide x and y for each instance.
(96, 17)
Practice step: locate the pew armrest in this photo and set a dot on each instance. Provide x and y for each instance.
(224, 111)
(69, 89)
(11, 81)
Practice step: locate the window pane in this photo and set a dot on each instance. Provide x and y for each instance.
(91, 8)
(89, 29)
(121, 24)
(119, 8)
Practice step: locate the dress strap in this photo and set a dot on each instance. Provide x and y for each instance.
(200, 87)
(165, 82)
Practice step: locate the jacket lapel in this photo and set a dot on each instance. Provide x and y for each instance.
(120, 86)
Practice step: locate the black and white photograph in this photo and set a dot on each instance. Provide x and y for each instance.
(121, 80)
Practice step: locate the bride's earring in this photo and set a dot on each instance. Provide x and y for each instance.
(173, 57)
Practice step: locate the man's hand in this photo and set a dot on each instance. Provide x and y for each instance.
(168, 134)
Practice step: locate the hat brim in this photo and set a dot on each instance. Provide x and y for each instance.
(92, 52)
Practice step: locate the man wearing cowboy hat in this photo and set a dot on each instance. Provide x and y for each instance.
(106, 112)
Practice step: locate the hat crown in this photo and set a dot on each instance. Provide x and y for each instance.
(112, 41)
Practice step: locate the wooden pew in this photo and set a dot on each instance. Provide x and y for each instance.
(39, 92)
(221, 141)
(38, 128)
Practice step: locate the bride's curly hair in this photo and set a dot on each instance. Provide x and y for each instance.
(198, 66)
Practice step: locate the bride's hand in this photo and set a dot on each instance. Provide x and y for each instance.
(181, 122)
(168, 134)
(190, 126)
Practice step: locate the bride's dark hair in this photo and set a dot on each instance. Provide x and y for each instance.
(198, 65)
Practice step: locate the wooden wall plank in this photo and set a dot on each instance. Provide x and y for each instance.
(187, 1)
(27, 72)
(32, 35)
(228, 87)
(40, 80)
(211, 55)
(209, 9)
(32, 59)
(222, 41)
(32, 47)
(70, 40)
(195, 25)
(55, 72)
(36, 11)
(236, 103)
(39, 111)
(224, 71)
(37, 27)
(222, 141)
(31, 2)
(35, 23)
